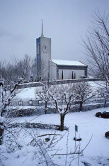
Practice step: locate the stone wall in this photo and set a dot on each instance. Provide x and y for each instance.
(36, 125)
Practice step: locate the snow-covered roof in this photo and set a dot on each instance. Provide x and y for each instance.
(68, 63)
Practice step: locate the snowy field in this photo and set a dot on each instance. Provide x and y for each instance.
(89, 127)
(30, 93)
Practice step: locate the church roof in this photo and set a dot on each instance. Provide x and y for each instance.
(68, 62)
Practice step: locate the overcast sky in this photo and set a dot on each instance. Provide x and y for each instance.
(65, 22)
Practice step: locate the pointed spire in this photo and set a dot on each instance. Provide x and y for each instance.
(42, 35)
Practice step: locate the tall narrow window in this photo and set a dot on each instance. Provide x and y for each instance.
(62, 75)
(72, 75)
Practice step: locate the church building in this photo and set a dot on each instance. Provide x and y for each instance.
(52, 69)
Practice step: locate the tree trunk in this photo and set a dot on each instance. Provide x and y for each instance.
(105, 103)
(1, 132)
(81, 106)
(45, 107)
(56, 106)
(62, 116)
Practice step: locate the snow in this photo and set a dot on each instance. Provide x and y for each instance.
(96, 153)
(2, 119)
(89, 126)
(66, 62)
(29, 93)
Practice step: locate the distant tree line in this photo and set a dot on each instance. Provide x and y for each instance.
(24, 69)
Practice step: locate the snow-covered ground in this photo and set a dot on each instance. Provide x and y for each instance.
(26, 93)
(90, 128)
(95, 154)
(30, 93)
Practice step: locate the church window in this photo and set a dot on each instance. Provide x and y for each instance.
(62, 75)
(72, 75)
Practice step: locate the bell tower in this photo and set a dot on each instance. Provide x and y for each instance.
(43, 54)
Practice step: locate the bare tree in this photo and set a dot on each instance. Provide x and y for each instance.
(26, 68)
(4, 103)
(44, 95)
(62, 98)
(34, 69)
(103, 92)
(58, 97)
(20, 69)
(97, 47)
(83, 93)
(23, 68)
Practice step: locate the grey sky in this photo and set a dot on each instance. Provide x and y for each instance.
(65, 22)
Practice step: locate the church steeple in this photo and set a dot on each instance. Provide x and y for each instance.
(42, 35)
(43, 53)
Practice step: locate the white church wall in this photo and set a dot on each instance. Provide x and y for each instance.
(79, 73)
(67, 73)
